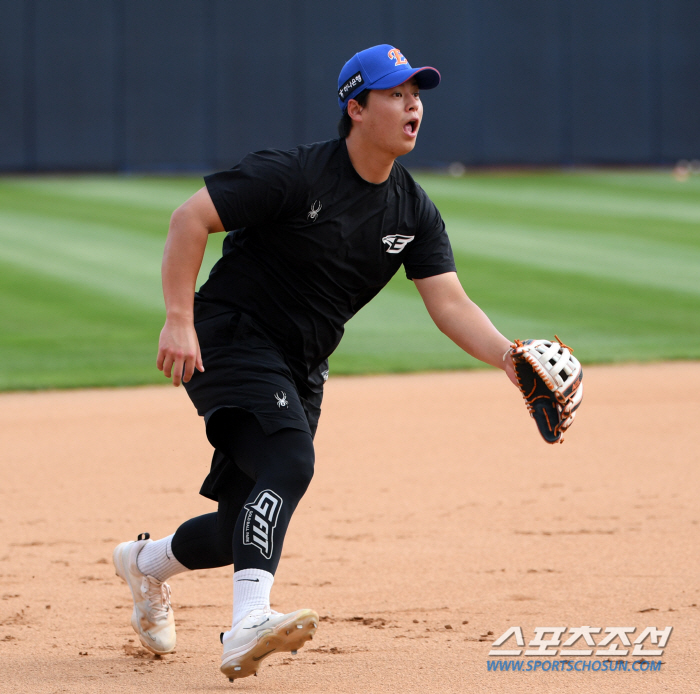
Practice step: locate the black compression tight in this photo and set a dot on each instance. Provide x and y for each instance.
(263, 485)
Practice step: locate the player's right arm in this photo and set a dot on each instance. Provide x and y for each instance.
(190, 226)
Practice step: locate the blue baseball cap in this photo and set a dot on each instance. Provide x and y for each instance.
(380, 67)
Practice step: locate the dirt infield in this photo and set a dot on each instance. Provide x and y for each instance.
(437, 519)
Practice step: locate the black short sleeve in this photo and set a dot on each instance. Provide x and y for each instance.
(430, 253)
(265, 187)
(311, 242)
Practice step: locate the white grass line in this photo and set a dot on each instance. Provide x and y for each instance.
(101, 258)
(159, 194)
(539, 196)
(643, 181)
(642, 262)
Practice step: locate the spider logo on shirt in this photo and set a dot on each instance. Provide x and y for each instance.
(313, 213)
(282, 401)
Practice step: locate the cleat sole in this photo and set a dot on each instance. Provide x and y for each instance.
(302, 625)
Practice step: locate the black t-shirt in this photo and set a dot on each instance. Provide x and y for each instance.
(311, 242)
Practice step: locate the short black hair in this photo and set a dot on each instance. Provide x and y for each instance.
(345, 122)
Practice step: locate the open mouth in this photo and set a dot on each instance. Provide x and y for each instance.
(411, 128)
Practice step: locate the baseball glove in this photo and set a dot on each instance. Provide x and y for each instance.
(551, 381)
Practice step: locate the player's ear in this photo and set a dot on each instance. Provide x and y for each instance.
(355, 110)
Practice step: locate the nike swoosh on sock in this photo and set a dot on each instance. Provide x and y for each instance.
(252, 580)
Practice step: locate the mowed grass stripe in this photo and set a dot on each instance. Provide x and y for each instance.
(58, 335)
(656, 183)
(525, 192)
(592, 225)
(643, 262)
(580, 303)
(140, 213)
(155, 193)
(101, 258)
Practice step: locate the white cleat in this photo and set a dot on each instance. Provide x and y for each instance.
(152, 617)
(262, 633)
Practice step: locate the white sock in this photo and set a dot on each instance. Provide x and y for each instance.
(157, 559)
(251, 591)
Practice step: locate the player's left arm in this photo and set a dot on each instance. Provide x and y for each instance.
(458, 317)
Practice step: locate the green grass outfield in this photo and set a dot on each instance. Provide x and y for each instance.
(609, 261)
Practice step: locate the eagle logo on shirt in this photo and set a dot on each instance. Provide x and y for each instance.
(396, 242)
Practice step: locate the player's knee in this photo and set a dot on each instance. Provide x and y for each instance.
(305, 473)
(299, 472)
(296, 467)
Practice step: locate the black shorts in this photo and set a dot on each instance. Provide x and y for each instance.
(244, 369)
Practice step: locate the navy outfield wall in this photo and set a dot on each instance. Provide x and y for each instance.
(138, 85)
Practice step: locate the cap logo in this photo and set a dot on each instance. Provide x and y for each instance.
(355, 81)
(395, 54)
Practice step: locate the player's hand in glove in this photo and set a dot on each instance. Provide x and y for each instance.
(551, 381)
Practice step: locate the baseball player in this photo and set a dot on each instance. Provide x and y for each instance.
(313, 235)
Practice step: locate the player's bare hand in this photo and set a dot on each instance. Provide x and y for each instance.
(178, 351)
(510, 370)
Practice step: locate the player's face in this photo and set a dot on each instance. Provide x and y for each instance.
(392, 118)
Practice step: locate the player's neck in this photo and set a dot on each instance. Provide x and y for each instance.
(371, 164)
